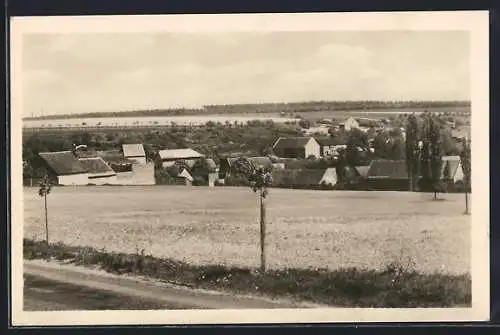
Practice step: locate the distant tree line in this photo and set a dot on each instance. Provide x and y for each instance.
(293, 107)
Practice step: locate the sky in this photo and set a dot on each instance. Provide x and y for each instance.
(77, 73)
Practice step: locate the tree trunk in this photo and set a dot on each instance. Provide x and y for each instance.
(46, 222)
(466, 199)
(262, 233)
(411, 181)
(435, 195)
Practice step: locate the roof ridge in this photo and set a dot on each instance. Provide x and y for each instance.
(54, 152)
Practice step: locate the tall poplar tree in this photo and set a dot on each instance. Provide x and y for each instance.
(411, 151)
(465, 158)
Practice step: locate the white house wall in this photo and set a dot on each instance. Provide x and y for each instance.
(351, 123)
(113, 180)
(312, 148)
(330, 177)
(459, 175)
(73, 179)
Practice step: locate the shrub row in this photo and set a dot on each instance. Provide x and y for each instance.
(396, 286)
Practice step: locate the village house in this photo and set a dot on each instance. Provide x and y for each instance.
(169, 157)
(385, 174)
(349, 124)
(322, 130)
(452, 170)
(205, 174)
(99, 173)
(330, 146)
(363, 124)
(305, 178)
(64, 168)
(141, 174)
(135, 153)
(184, 178)
(297, 147)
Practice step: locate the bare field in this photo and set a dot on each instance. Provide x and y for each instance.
(220, 225)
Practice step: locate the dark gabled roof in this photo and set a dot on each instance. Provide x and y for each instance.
(63, 162)
(96, 165)
(299, 177)
(310, 176)
(330, 141)
(390, 169)
(116, 159)
(291, 142)
(114, 152)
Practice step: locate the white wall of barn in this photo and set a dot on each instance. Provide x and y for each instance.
(330, 177)
(459, 174)
(73, 179)
(312, 148)
(351, 123)
(113, 180)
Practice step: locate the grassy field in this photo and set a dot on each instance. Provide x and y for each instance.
(326, 229)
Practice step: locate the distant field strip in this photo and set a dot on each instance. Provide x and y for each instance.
(220, 226)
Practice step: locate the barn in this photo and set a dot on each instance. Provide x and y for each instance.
(99, 173)
(389, 175)
(169, 157)
(297, 147)
(349, 124)
(134, 153)
(452, 170)
(65, 168)
(305, 178)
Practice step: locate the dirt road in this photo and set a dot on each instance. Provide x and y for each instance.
(51, 286)
(47, 295)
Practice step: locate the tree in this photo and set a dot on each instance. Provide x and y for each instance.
(432, 155)
(306, 124)
(411, 150)
(340, 167)
(45, 188)
(465, 158)
(260, 179)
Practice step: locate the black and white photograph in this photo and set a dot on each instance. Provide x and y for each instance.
(277, 168)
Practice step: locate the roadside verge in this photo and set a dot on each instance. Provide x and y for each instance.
(147, 289)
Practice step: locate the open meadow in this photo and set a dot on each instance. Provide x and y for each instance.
(325, 229)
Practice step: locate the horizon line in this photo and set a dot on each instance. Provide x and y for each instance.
(207, 106)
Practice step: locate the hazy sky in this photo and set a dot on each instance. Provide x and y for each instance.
(74, 73)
